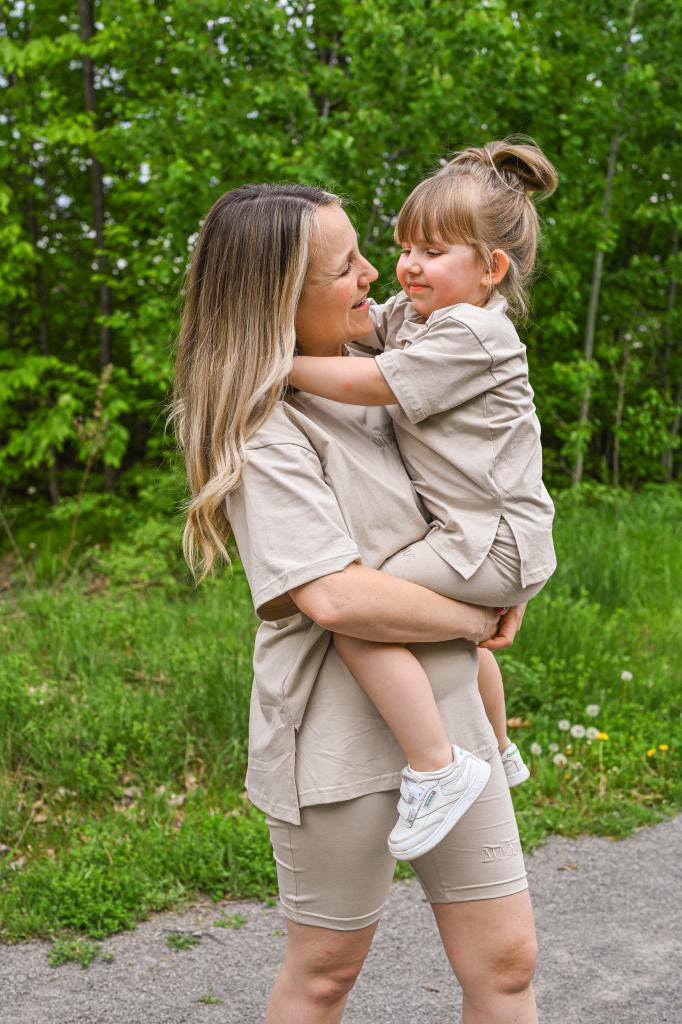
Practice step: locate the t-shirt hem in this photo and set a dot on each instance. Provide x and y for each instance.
(377, 784)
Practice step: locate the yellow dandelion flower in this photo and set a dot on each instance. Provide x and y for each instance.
(663, 747)
(650, 753)
(602, 736)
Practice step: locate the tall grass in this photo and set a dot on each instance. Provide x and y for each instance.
(123, 719)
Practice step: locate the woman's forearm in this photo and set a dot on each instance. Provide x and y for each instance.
(342, 379)
(372, 605)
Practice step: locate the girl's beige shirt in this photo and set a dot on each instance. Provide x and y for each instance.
(467, 429)
(324, 486)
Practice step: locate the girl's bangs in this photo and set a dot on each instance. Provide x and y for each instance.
(442, 209)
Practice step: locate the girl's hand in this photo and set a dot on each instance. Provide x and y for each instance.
(507, 628)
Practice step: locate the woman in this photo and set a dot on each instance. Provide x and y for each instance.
(317, 498)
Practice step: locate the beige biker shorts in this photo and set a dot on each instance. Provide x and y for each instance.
(334, 869)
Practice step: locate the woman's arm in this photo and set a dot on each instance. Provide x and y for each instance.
(342, 379)
(372, 605)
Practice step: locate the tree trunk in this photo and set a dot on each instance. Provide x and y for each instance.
(598, 266)
(667, 457)
(86, 31)
(43, 342)
(620, 401)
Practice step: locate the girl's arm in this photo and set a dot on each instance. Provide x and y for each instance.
(342, 379)
(372, 605)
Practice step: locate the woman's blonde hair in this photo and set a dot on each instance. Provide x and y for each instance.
(236, 343)
(482, 197)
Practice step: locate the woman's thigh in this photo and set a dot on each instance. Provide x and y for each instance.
(334, 869)
(480, 858)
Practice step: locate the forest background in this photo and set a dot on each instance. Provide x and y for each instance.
(124, 691)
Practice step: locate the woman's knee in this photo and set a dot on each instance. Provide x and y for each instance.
(328, 966)
(509, 967)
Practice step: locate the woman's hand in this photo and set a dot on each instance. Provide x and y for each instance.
(507, 628)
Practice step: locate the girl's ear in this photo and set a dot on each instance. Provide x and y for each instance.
(499, 265)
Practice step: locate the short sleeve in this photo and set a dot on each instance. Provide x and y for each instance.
(286, 521)
(442, 369)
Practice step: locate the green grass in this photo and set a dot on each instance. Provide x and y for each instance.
(231, 921)
(123, 718)
(74, 950)
(179, 942)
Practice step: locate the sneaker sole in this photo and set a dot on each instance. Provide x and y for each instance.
(457, 811)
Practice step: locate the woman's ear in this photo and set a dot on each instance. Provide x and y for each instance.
(499, 265)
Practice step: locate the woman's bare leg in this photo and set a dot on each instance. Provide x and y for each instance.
(319, 970)
(399, 688)
(491, 688)
(492, 949)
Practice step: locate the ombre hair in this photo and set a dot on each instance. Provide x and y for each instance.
(236, 343)
(482, 198)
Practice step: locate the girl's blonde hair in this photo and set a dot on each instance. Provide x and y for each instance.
(482, 197)
(236, 343)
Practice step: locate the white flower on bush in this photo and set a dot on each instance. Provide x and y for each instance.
(626, 676)
(592, 733)
(592, 710)
(564, 725)
(559, 760)
(553, 747)
(535, 749)
(578, 731)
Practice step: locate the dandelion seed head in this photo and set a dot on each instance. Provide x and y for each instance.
(626, 676)
(535, 749)
(577, 731)
(559, 760)
(592, 733)
(592, 710)
(564, 725)
(553, 747)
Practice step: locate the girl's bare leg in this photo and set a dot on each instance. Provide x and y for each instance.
(399, 688)
(491, 688)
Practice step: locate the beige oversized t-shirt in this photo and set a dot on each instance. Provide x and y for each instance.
(324, 486)
(467, 429)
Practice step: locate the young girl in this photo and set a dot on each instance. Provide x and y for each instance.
(454, 375)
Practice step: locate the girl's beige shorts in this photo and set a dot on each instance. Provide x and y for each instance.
(334, 869)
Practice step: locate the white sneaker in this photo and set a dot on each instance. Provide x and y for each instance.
(431, 803)
(514, 766)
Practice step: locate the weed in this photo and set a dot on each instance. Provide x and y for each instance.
(72, 951)
(180, 941)
(211, 1000)
(231, 921)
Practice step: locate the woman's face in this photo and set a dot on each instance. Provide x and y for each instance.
(333, 308)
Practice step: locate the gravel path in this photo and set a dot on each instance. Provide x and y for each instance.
(609, 917)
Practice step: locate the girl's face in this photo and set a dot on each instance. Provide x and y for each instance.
(438, 275)
(333, 308)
